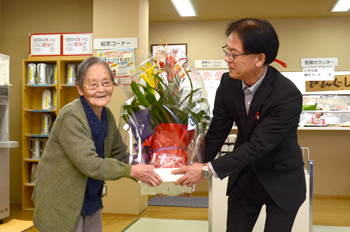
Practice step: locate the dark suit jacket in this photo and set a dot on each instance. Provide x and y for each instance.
(266, 140)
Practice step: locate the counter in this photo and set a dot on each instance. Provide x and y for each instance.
(334, 128)
(330, 151)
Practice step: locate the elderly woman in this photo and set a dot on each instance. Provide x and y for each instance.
(84, 149)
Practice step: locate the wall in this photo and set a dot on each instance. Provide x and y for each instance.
(135, 13)
(299, 38)
(18, 19)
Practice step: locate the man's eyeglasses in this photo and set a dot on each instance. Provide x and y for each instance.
(231, 57)
(95, 85)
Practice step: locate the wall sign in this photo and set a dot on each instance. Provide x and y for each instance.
(77, 44)
(211, 80)
(319, 73)
(60, 44)
(340, 82)
(319, 62)
(121, 61)
(115, 43)
(4, 69)
(44, 44)
(210, 64)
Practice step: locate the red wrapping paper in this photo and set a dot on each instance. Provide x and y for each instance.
(169, 144)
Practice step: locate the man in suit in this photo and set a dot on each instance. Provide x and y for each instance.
(266, 165)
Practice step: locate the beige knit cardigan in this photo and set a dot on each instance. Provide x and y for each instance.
(68, 160)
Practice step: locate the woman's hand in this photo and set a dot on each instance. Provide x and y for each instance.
(146, 174)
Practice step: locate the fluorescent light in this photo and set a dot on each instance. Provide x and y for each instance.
(184, 8)
(341, 5)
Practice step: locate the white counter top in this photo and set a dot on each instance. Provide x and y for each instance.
(8, 144)
(331, 128)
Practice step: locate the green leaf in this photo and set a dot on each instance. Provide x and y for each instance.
(139, 95)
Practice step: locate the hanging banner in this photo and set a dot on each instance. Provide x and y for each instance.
(121, 61)
(340, 82)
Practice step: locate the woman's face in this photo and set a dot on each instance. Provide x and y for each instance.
(97, 98)
(318, 114)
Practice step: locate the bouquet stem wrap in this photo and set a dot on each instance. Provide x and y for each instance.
(166, 117)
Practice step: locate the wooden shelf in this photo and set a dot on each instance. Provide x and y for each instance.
(29, 184)
(32, 111)
(28, 209)
(31, 160)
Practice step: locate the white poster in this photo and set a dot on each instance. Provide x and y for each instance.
(45, 44)
(211, 81)
(121, 61)
(77, 44)
(4, 70)
(115, 43)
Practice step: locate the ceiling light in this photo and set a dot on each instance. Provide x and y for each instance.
(341, 5)
(184, 8)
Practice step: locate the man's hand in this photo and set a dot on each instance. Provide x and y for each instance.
(146, 174)
(193, 174)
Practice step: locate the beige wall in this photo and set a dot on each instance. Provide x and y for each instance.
(18, 19)
(299, 38)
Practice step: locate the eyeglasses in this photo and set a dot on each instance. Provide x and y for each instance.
(231, 57)
(96, 85)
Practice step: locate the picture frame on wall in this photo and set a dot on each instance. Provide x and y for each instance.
(180, 46)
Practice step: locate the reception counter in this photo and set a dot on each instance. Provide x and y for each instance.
(330, 151)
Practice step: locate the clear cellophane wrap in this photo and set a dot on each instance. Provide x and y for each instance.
(165, 118)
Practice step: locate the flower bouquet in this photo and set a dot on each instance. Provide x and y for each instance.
(166, 117)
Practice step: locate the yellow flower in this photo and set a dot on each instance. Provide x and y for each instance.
(147, 75)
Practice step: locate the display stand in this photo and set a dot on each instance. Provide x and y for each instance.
(218, 204)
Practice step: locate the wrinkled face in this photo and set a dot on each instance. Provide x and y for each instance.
(241, 67)
(97, 75)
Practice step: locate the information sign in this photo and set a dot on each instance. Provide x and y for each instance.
(44, 44)
(77, 44)
(210, 64)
